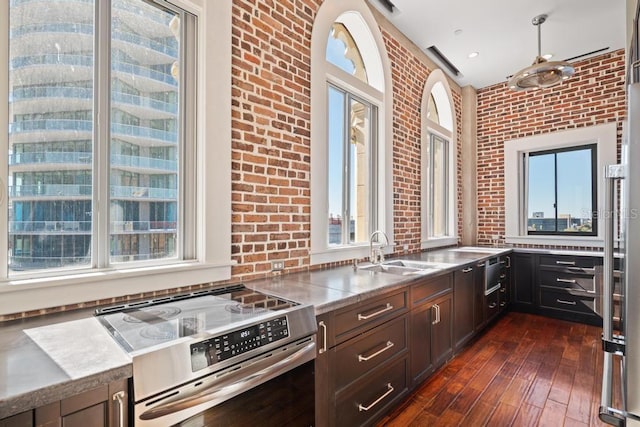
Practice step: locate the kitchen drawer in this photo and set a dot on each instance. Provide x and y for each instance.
(372, 397)
(360, 355)
(428, 288)
(492, 304)
(570, 263)
(503, 296)
(561, 279)
(370, 312)
(568, 302)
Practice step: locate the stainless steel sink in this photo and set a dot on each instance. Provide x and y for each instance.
(401, 267)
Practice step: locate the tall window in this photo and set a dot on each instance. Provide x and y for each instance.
(561, 191)
(63, 165)
(350, 125)
(438, 165)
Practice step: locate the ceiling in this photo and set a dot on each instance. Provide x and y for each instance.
(502, 33)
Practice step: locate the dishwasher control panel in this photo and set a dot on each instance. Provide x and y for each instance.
(225, 346)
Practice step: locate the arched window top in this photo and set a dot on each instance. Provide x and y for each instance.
(439, 108)
(343, 52)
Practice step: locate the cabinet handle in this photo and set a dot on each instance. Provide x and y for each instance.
(467, 270)
(503, 290)
(565, 262)
(481, 264)
(502, 304)
(362, 358)
(324, 337)
(390, 390)
(559, 280)
(388, 307)
(436, 309)
(561, 301)
(119, 398)
(493, 305)
(502, 276)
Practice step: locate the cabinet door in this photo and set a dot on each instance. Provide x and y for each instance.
(478, 304)
(324, 381)
(23, 419)
(421, 365)
(441, 333)
(118, 403)
(463, 299)
(522, 272)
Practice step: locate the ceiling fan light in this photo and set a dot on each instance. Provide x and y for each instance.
(542, 73)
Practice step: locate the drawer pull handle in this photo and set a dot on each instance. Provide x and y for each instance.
(390, 390)
(493, 305)
(362, 358)
(565, 262)
(388, 307)
(467, 270)
(559, 280)
(502, 304)
(561, 301)
(502, 276)
(324, 337)
(503, 290)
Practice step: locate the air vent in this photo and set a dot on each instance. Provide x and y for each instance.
(388, 5)
(443, 60)
(604, 49)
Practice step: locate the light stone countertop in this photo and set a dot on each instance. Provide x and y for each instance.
(51, 357)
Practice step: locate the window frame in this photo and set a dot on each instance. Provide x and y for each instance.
(361, 24)
(437, 79)
(211, 257)
(594, 189)
(604, 136)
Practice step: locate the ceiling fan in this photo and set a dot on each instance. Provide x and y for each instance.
(542, 73)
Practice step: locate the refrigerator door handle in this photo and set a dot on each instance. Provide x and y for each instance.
(608, 414)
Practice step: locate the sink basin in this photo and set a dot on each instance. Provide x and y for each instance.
(391, 268)
(402, 267)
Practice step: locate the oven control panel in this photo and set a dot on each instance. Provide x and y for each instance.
(231, 344)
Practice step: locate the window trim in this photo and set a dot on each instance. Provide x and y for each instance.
(430, 127)
(604, 136)
(323, 72)
(593, 148)
(213, 214)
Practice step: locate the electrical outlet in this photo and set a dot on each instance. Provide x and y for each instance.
(277, 265)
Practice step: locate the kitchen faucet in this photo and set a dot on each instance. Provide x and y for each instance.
(376, 255)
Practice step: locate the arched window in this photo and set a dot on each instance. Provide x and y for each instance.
(350, 132)
(439, 218)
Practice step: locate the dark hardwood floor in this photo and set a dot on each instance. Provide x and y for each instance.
(525, 370)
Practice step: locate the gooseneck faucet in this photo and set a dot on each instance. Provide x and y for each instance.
(376, 255)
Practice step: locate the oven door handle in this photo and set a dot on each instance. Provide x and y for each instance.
(246, 381)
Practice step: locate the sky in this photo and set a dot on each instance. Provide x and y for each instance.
(574, 179)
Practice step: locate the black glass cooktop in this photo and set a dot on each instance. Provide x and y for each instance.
(140, 325)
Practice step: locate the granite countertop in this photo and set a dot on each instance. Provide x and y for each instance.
(48, 358)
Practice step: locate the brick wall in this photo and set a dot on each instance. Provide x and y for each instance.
(594, 95)
(271, 135)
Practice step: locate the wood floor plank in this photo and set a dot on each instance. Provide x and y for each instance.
(524, 370)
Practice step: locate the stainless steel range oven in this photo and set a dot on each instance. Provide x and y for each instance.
(229, 356)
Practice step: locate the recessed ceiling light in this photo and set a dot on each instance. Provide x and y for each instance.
(473, 54)
(457, 32)
(547, 56)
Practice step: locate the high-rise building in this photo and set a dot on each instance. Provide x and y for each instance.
(52, 131)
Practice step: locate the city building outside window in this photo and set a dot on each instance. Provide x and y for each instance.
(351, 124)
(53, 56)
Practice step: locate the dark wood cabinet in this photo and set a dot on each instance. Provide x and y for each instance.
(464, 294)
(431, 326)
(523, 282)
(105, 406)
(362, 365)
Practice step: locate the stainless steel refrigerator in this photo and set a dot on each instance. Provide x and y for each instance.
(621, 373)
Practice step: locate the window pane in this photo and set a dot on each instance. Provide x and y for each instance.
(541, 203)
(144, 131)
(439, 186)
(50, 134)
(335, 175)
(575, 198)
(359, 147)
(343, 52)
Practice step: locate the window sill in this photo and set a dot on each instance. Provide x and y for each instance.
(19, 295)
(439, 242)
(590, 242)
(345, 253)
